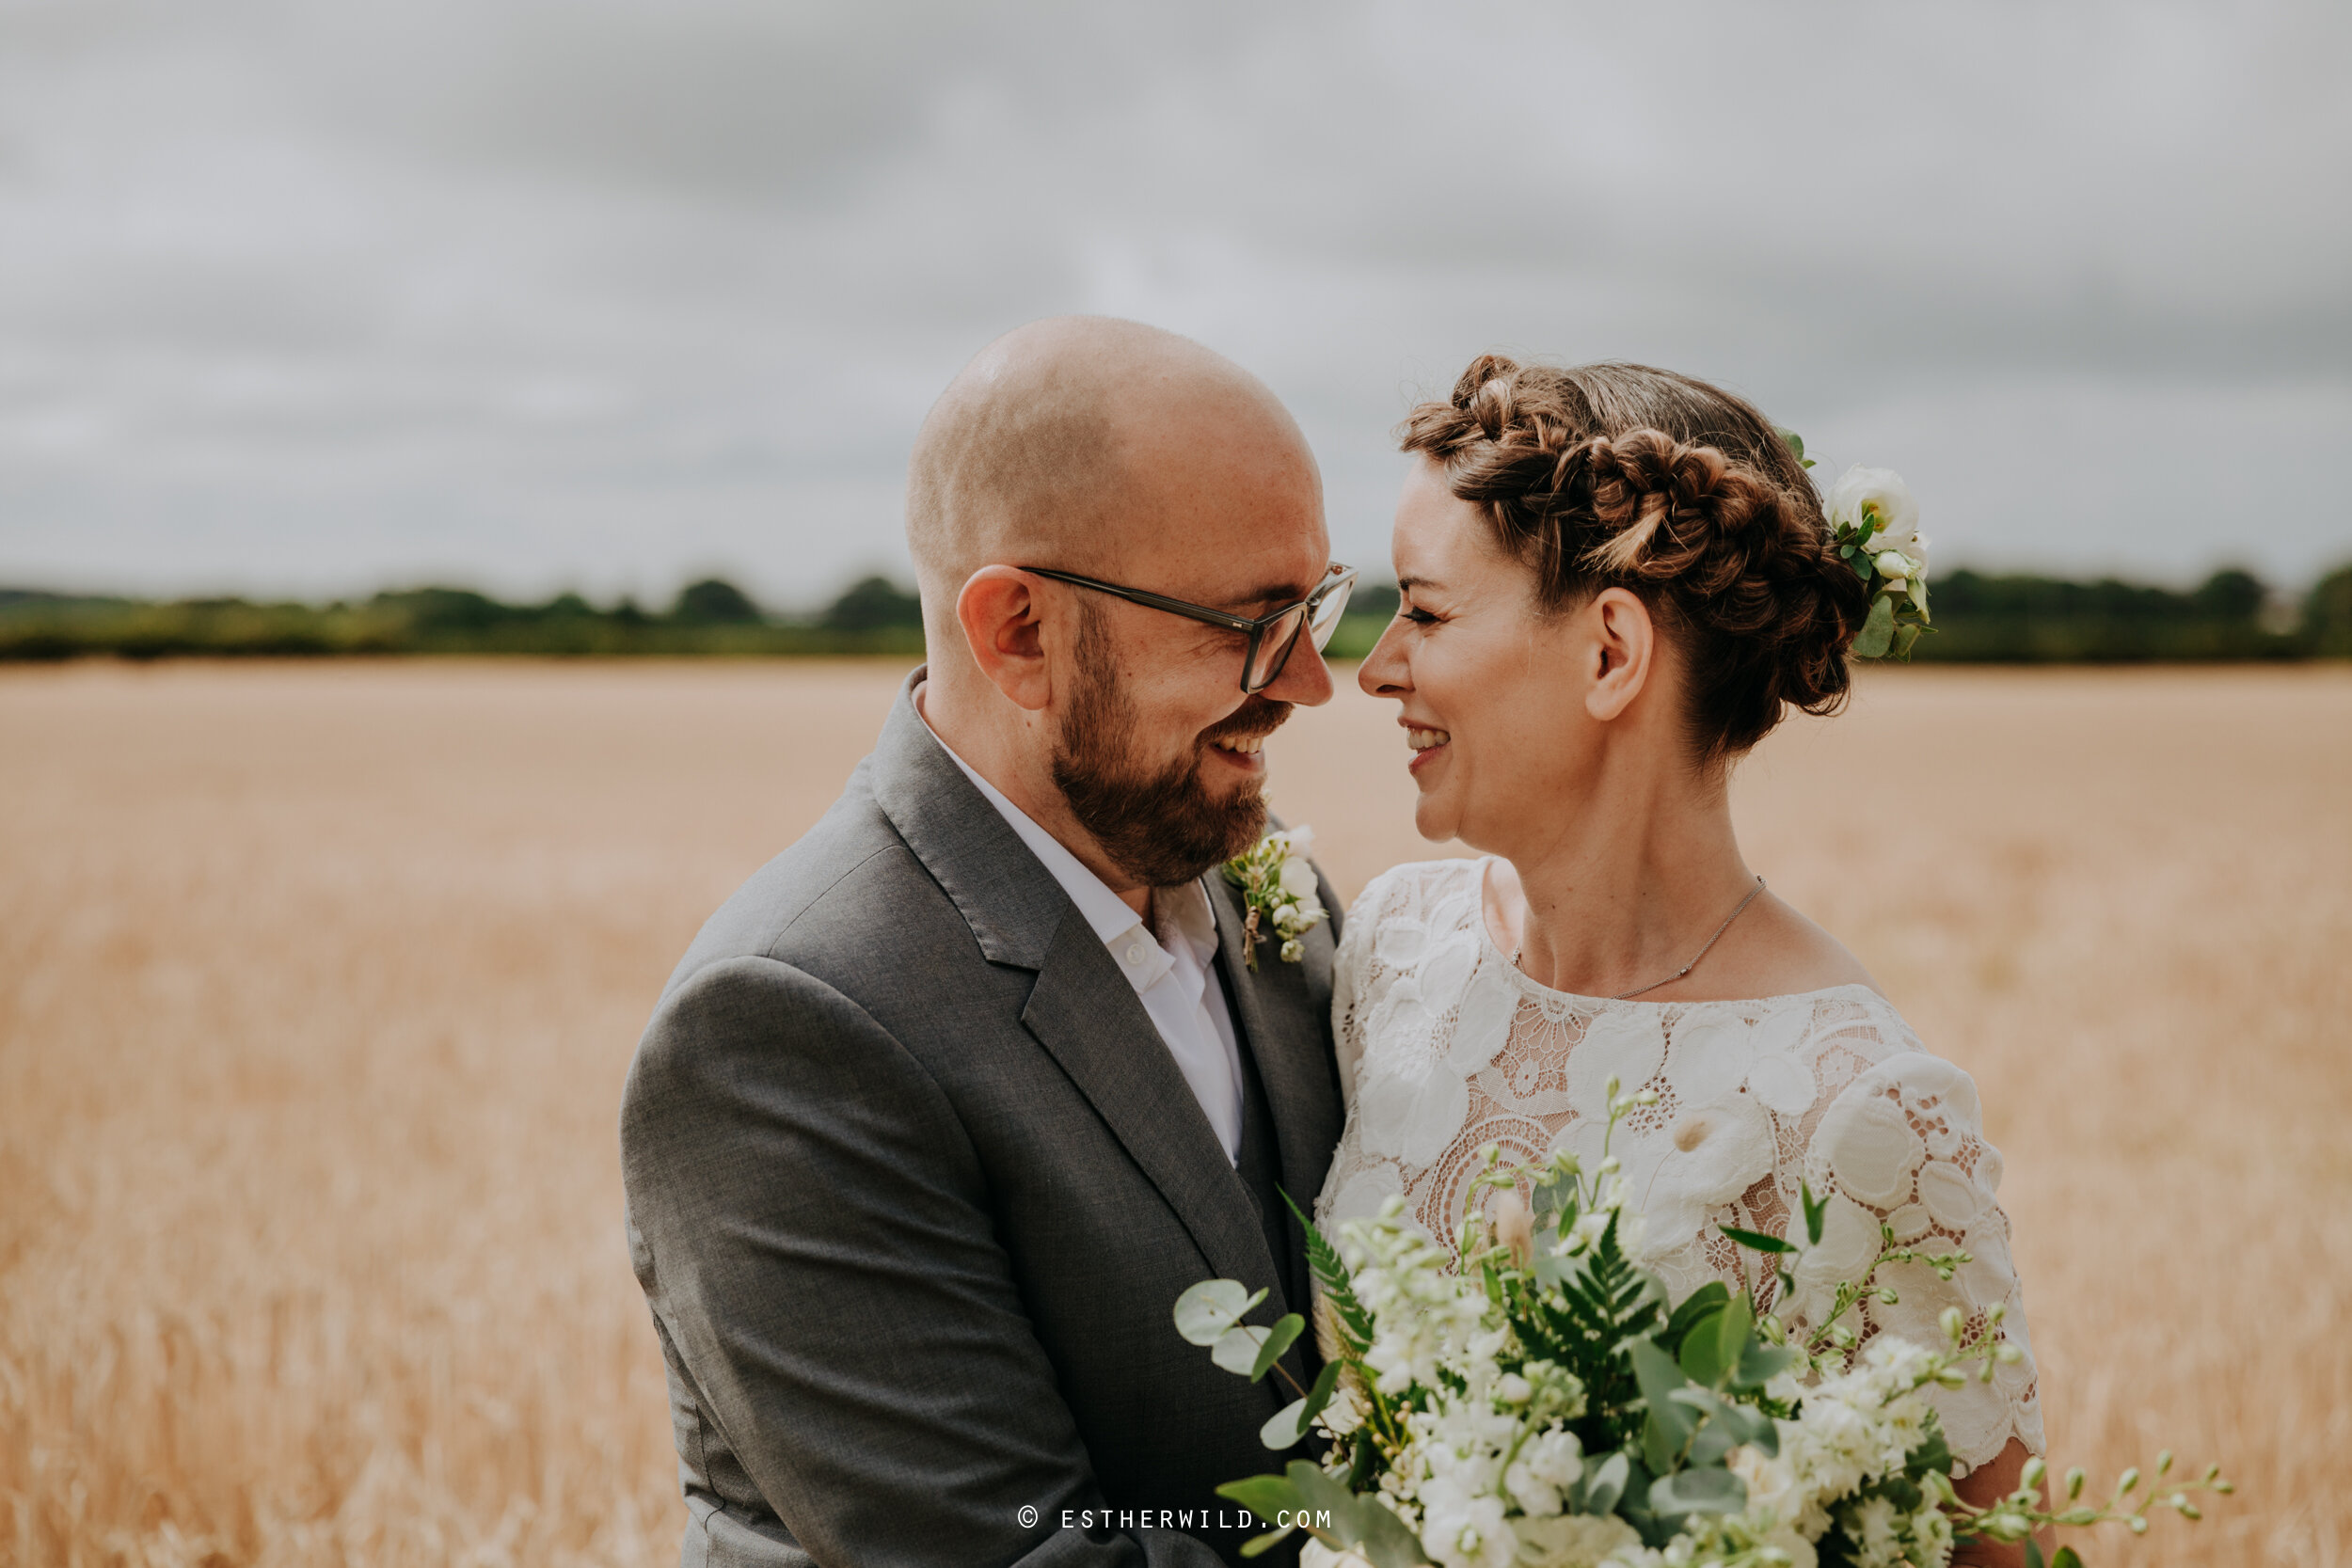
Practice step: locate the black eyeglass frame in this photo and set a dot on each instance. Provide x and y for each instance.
(1336, 580)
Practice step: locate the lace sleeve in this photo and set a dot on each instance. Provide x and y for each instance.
(1902, 1145)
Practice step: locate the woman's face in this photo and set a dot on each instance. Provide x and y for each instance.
(1493, 692)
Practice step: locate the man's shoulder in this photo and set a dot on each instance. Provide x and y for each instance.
(849, 895)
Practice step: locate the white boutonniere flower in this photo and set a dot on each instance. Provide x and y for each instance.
(1277, 888)
(1876, 525)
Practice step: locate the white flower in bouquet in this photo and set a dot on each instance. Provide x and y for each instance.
(1549, 1464)
(1708, 1434)
(1462, 1528)
(1420, 1311)
(1778, 1496)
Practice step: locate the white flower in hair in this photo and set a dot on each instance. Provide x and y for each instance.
(1866, 497)
(1874, 524)
(1876, 503)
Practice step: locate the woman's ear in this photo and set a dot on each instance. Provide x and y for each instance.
(1003, 623)
(1622, 650)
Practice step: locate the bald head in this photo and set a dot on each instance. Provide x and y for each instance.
(1119, 452)
(1046, 450)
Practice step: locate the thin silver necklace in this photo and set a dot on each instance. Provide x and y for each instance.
(1628, 995)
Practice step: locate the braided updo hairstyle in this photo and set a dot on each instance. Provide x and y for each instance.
(1618, 475)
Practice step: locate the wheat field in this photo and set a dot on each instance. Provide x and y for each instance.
(318, 982)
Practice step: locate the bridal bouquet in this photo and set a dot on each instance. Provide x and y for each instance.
(1544, 1404)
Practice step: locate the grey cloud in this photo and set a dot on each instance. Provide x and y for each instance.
(307, 296)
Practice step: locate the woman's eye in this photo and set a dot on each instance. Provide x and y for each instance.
(1418, 617)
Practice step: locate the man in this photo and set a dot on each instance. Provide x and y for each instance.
(944, 1108)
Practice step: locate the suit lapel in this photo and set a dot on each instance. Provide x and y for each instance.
(1287, 1032)
(1081, 1010)
(1089, 1018)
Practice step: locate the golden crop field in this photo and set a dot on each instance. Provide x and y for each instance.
(318, 982)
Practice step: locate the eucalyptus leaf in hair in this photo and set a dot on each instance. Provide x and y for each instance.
(1796, 443)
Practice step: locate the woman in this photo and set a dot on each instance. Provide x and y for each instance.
(1615, 579)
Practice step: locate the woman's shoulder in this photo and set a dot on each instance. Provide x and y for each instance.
(1402, 909)
(1776, 950)
(1417, 890)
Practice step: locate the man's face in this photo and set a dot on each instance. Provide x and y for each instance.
(1157, 749)
(1163, 818)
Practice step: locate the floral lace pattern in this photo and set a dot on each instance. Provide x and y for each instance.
(1446, 1047)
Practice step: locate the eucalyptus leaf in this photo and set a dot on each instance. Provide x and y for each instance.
(1759, 1363)
(1711, 1444)
(1291, 1422)
(1208, 1310)
(1732, 1332)
(1756, 1241)
(1318, 1492)
(1257, 1546)
(1702, 1360)
(1742, 1423)
(1904, 638)
(1708, 1491)
(1326, 1382)
(1704, 1302)
(1279, 1338)
(1237, 1349)
(1816, 1211)
(2033, 1556)
(1669, 1425)
(1602, 1485)
(1287, 1426)
(1382, 1537)
(1263, 1495)
(2067, 1558)
(1361, 1521)
(1877, 631)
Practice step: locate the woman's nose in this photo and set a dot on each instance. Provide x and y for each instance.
(1385, 672)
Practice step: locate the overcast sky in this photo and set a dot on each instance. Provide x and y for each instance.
(313, 298)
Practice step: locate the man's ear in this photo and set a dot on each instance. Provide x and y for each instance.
(1002, 619)
(1623, 651)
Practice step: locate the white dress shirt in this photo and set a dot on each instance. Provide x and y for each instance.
(1175, 981)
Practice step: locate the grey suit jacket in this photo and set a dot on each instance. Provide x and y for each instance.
(914, 1185)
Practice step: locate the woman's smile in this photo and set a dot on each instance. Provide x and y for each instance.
(1427, 742)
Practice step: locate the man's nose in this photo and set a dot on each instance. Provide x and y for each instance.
(1306, 680)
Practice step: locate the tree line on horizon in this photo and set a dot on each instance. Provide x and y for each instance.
(2008, 618)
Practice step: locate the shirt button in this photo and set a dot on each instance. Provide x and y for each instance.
(1135, 952)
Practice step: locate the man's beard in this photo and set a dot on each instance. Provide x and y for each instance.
(1161, 828)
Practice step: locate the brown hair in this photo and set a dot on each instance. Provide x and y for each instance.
(1618, 475)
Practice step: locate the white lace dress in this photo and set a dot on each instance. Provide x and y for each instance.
(1445, 1047)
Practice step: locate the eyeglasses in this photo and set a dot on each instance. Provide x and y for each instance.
(1271, 637)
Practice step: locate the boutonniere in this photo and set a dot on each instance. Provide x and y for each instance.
(1278, 887)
